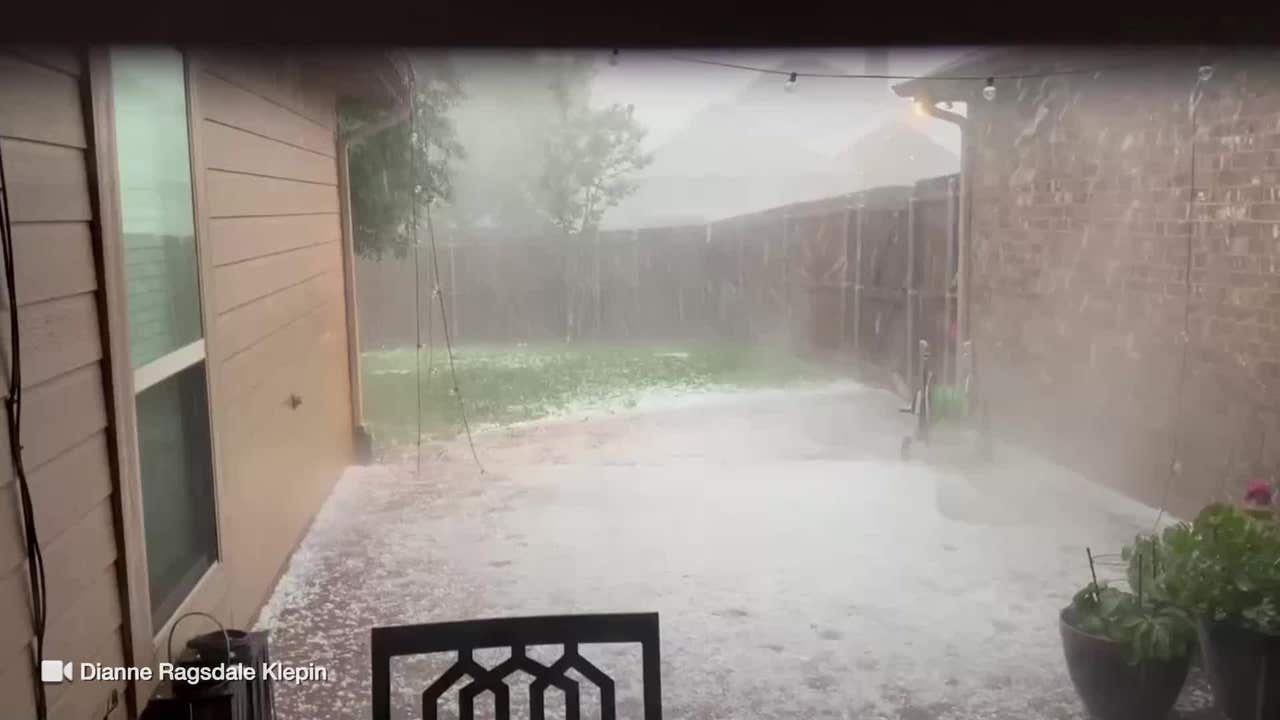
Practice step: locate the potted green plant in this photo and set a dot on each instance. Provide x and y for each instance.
(1127, 653)
(1224, 567)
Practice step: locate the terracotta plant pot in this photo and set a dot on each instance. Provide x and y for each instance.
(1244, 669)
(1110, 687)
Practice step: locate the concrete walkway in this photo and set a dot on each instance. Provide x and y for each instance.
(800, 568)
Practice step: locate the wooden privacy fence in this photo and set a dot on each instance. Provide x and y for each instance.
(871, 271)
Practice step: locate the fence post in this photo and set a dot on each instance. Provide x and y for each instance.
(857, 276)
(706, 266)
(911, 286)
(744, 297)
(455, 330)
(786, 269)
(636, 317)
(948, 349)
(843, 338)
(599, 309)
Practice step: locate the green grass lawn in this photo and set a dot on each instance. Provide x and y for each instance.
(515, 383)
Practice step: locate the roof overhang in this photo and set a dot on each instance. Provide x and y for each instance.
(964, 78)
(374, 76)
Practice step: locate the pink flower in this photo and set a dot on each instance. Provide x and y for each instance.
(1258, 492)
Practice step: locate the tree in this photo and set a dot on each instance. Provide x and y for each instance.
(392, 166)
(589, 155)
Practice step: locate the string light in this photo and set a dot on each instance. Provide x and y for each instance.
(989, 92)
(885, 76)
(790, 84)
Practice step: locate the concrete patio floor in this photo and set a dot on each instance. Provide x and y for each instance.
(801, 569)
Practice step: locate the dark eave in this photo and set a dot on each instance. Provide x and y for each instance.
(374, 76)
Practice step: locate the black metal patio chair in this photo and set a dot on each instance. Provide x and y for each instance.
(518, 634)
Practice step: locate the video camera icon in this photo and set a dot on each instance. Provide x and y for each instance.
(55, 671)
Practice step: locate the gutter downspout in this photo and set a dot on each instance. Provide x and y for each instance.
(363, 440)
(963, 223)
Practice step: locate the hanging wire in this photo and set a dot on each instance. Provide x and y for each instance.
(439, 296)
(448, 344)
(1193, 105)
(417, 270)
(13, 418)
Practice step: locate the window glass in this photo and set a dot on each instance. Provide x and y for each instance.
(177, 487)
(152, 148)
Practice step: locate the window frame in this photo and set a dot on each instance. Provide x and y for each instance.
(144, 643)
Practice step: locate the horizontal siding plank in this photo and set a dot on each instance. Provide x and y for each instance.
(236, 285)
(52, 260)
(279, 78)
(57, 336)
(56, 417)
(237, 239)
(309, 448)
(46, 182)
(97, 608)
(227, 148)
(16, 682)
(319, 101)
(66, 488)
(74, 559)
(247, 325)
(231, 105)
(57, 57)
(72, 563)
(80, 700)
(63, 490)
(311, 333)
(235, 195)
(37, 103)
(94, 611)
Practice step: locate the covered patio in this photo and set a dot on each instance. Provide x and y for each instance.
(801, 569)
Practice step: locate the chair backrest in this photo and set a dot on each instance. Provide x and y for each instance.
(568, 631)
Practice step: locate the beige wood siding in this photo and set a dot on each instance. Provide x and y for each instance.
(273, 235)
(42, 129)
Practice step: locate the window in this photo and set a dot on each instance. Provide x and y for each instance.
(166, 338)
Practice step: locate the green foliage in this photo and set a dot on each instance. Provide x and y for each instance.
(394, 165)
(589, 157)
(1226, 566)
(1143, 567)
(1147, 630)
(511, 384)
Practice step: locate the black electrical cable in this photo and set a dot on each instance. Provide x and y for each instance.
(417, 277)
(13, 417)
(435, 271)
(1203, 75)
(877, 76)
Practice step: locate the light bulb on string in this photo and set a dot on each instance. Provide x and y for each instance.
(790, 84)
(989, 92)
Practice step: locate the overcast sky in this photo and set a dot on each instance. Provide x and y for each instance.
(667, 93)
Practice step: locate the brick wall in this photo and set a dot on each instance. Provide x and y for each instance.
(1084, 219)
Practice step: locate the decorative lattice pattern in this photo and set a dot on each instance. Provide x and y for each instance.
(517, 634)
